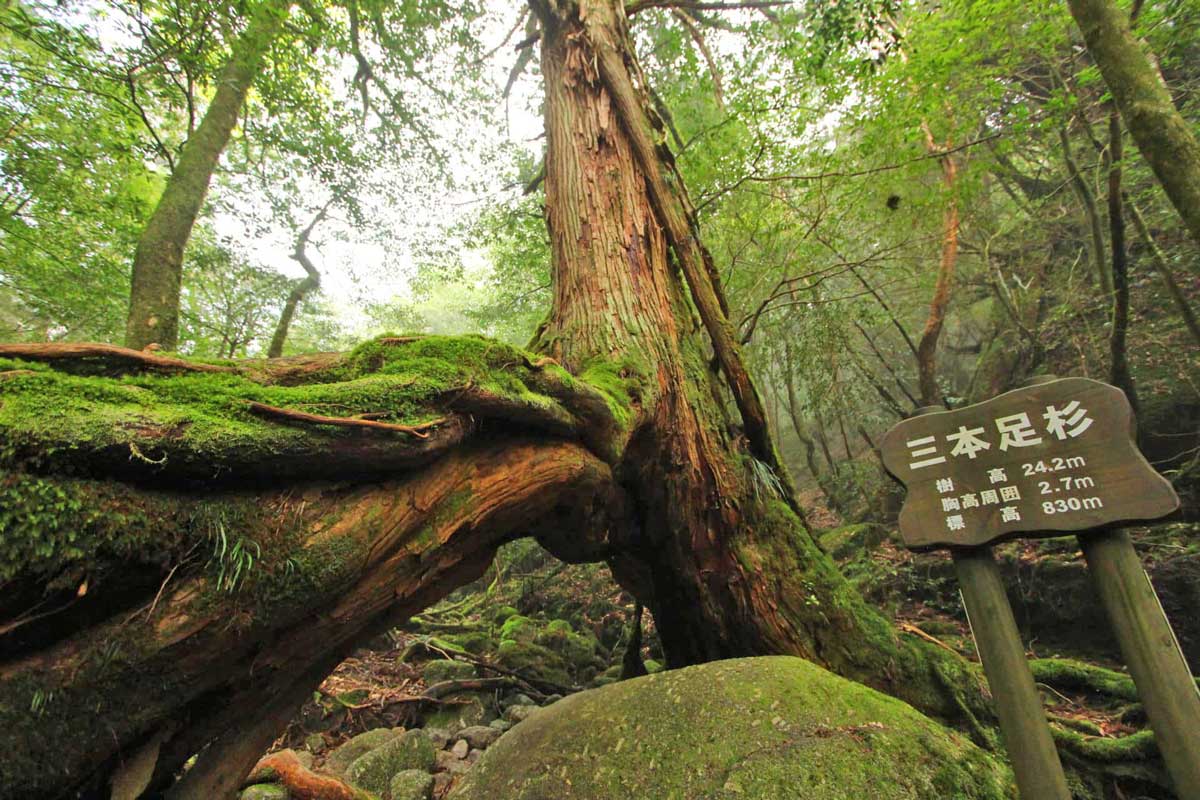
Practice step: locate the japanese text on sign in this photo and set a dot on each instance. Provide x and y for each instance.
(1054, 457)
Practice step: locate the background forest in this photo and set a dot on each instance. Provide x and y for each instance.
(907, 204)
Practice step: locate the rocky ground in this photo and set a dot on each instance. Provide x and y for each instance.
(409, 716)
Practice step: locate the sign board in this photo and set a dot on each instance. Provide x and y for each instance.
(1057, 456)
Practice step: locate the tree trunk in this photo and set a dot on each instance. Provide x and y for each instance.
(717, 552)
(310, 283)
(1102, 269)
(940, 303)
(158, 261)
(1163, 136)
(1119, 373)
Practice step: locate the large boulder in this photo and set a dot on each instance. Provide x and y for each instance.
(747, 729)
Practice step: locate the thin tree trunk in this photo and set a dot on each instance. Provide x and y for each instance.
(1164, 271)
(940, 303)
(1166, 140)
(158, 261)
(302, 288)
(1119, 374)
(1092, 212)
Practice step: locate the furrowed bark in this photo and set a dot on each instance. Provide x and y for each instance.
(158, 261)
(1164, 138)
(717, 554)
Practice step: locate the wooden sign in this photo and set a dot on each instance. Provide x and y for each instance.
(1057, 456)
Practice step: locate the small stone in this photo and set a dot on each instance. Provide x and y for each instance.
(374, 770)
(500, 724)
(458, 767)
(516, 700)
(314, 743)
(515, 714)
(411, 784)
(447, 670)
(554, 698)
(438, 736)
(340, 759)
(444, 759)
(265, 791)
(480, 737)
(474, 756)
(304, 757)
(460, 749)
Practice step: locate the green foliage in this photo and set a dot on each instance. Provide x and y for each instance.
(58, 531)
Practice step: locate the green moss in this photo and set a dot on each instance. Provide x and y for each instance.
(55, 530)
(621, 382)
(747, 729)
(205, 417)
(446, 670)
(576, 649)
(1064, 674)
(503, 613)
(518, 628)
(374, 770)
(1138, 746)
(533, 660)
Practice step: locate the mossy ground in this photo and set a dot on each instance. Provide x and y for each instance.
(750, 728)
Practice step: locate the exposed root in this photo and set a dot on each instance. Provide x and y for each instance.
(1066, 675)
(419, 431)
(106, 352)
(909, 628)
(303, 783)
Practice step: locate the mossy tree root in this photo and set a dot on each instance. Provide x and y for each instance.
(334, 565)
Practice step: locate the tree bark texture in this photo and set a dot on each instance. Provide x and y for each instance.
(1163, 136)
(158, 260)
(716, 550)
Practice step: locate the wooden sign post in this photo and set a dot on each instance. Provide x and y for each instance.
(1056, 456)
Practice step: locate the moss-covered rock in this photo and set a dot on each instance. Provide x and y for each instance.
(461, 710)
(764, 728)
(374, 770)
(577, 649)
(264, 791)
(533, 660)
(502, 614)
(340, 759)
(411, 784)
(518, 628)
(447, 670)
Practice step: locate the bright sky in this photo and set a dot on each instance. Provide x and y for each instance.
(356, 267)
(375, 264)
